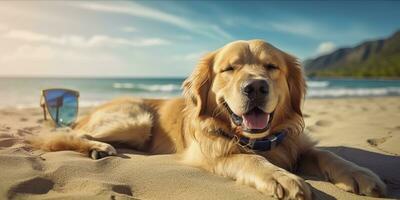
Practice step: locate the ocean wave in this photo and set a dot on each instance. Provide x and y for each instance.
(35, 105)
(122, 85)
(353, 92)
(317, 84)
(148, 87)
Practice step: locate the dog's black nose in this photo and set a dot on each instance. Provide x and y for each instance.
(255, 89)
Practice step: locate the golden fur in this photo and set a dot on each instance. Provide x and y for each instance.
(189, 126)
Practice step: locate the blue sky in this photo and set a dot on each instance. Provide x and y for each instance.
(166, 38)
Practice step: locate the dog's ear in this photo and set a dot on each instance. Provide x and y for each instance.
(296, 83)
(197, 85)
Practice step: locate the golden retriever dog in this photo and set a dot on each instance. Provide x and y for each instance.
(240, 117)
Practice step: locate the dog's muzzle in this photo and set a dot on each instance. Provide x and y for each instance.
(255, 123)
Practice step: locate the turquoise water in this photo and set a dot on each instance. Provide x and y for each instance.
(25, 92)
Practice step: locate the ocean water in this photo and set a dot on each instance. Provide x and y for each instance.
(25, 92)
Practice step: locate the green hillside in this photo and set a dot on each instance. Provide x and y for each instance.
(379, 58)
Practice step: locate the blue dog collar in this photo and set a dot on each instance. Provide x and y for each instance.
(264, 144)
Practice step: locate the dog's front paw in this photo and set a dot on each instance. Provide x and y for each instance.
(284, 185)
(100, 150)
(361, 181)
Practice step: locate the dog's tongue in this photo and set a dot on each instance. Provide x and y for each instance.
(255, 120)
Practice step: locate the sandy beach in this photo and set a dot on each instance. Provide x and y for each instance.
(363, 130)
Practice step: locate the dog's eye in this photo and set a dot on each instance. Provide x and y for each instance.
(271, 66)
(227, 69)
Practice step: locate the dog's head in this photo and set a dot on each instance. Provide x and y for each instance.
(252, 85)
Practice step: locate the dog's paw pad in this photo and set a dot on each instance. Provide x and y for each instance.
(283, 185)
(100, 150)
(96, 154)
(363, 182)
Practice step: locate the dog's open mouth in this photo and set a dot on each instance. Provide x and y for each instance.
(253, 121)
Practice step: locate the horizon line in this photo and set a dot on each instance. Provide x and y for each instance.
(93, 77)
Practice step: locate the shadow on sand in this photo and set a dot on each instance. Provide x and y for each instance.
(386, 166)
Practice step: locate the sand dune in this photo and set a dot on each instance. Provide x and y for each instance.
(365, 131)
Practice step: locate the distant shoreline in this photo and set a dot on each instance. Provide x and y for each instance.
(94, 89)
(352, 78)
(92, 77)
(182, 78)
(89, 105)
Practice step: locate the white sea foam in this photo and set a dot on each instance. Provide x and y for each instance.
(123, 85)
(351, 92)
(25, 93)
(317, 84)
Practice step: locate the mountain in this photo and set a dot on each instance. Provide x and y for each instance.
(378, 58)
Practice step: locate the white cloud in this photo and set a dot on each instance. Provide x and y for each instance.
(325, 48)
(300, 28)
(138, 10)
(296, 27)
(129, 29)
(102, 40)
(184, 37)
(26, 53)
(220, 31)
(45, 60)
(195, 56)
(309, 28)
(31, 36)
(80, 41)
